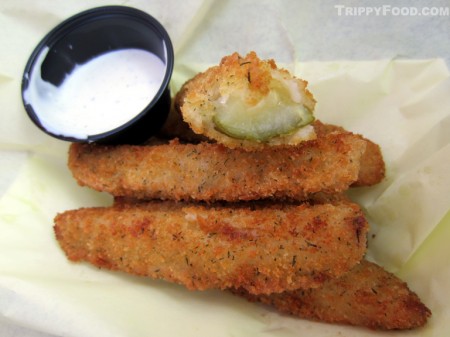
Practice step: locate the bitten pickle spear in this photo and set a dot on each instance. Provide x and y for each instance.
(248, 102)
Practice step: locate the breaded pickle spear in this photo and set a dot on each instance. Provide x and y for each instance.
(262, 248)
(372, 169)
(365, 296)
(249, 103)
(210, 171)
(372, 166)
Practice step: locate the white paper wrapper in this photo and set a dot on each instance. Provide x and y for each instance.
(402, 104)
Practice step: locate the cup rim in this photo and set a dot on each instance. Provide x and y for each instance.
(78, 20)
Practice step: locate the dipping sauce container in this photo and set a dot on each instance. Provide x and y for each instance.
(101, 76)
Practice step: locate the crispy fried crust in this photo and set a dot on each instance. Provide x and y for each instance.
(366, 296)
(212, 172)
(372, 170)
(263, 249)
(249, 76)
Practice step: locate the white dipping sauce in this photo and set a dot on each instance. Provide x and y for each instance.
(97, 96)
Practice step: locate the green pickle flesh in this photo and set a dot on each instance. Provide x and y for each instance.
(270, 118)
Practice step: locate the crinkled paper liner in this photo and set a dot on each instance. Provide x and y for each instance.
(403, 105)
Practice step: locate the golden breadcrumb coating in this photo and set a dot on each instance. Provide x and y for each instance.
(211, 172)
(373, 169)
(365, 296)
(372, 166)
(262, 248)
(247, 80)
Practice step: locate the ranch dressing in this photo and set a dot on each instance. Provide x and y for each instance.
(98, 96)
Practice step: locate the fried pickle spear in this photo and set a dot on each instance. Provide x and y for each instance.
(211, 172)
(372, 169)
(248, 103)
(372, 166)
(365, 296)
(263, 249)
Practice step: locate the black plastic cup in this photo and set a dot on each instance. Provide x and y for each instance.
(95, 32)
